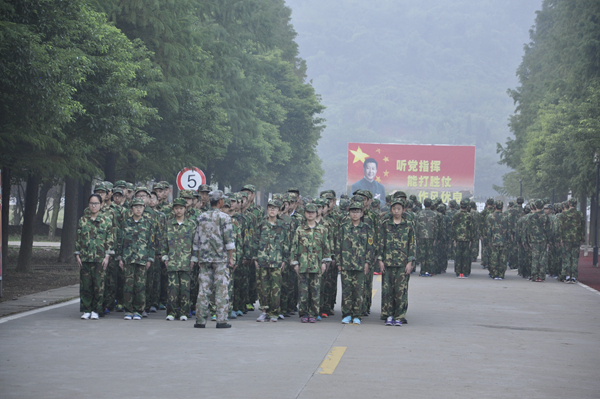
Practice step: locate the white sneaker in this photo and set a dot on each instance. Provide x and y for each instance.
(170, 318)
(281, 317)
(86, 316)
(94, 316)
(183, 318)
(262, 317)
(137, 317)
(273, 319)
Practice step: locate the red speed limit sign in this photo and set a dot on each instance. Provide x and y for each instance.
(190, 179)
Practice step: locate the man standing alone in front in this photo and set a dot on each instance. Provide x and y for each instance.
(215, 244)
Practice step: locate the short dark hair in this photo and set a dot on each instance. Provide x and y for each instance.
(95, 195)
(370, 160)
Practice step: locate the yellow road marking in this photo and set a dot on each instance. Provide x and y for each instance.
(374, 292)
(378, 279)
(331, 361)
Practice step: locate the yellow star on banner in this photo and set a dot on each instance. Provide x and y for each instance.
(378, 179)
(386, 173)
(359, 155)
(378, 151)
(386, 159)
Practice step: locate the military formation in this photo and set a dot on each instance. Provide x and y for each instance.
(214, 256)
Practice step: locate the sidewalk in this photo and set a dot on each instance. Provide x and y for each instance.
(588, 274)
(37, 244)
(39, 300)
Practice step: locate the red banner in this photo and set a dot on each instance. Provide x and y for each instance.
(427, 171)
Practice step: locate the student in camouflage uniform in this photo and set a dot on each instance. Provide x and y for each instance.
(524, 268)
(497, 238)
(310, 254)
(512, 251)
(179, 260)
(271, 250)
(333, 218)
(477, 225)
(396, 257)
(463, 234)
(444, 238)
(572, 235)
(353, 254)
(215, 244)
(538, 235)
(426, 232)
(136, 255)
(453, 209)
(485, 245)
(553, 248)
(93, 248)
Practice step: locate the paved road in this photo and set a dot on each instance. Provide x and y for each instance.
(474, 338)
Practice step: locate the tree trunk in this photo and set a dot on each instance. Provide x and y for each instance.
(31, 197)
(18, 206)
(5, 213)
(583, 209)
(41, 211)
(55, 211)
(110, 167)
(69, 230)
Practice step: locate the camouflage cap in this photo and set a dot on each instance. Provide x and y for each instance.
(344, 204)
(100, 187)
(226, 202)
(277, 196)
(179, 202)
(511, 204)
(464, 203)
(399, 194)
(120, 183)
(204, 188)
(358, 198)
(489, 201)
(285, 197)
(388, 198)
(413, 197)
(441, 208)
(195, 193)
(249, 187)
(499, 204)
(546, 200)
(293, 197)
(437, 201)
(367, 194)
(520, 200)
(453, 204)
(409, 203)
(215, 195)
(327, 194)
(274, 202)
(427, 203)
(310, 208)
(549, 206)
(117, 190)
(539, 204)
(157, 186)
(243, 194)
(355, 205)
(142, 188)
(130, 186)
(572, 201)
(344, 196)
(294, 190)
(137, 201)
(109, 185)
(526, 209)
(376, 204)
(165, 184)
(399, 201)
(186, 194)
(321, 202)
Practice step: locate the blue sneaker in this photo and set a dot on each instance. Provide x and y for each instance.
(240, 313)
(356, 320)
(137, 316)
(347, 320)
(127, 317)
(233, 315)
(318, 318)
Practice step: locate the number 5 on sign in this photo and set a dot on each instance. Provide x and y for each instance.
(190, 179)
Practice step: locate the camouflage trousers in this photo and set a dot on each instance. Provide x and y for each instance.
(474, 250)
(485, 252)
(462, 258)
(353, 295)
(328, 289)
(257, 284)
(194, 285)
(213, 277)
(497, 262)
(120, 284)
(555, 256)
(441, 256)
(110, 284)
(394, 293)
(252, 287)
(309, 290)
(451, 250)
(178, 293)
(539, 261)
(570, 260)
(368, 291)
(91, 287)
(291, 283)
(164, 284)
(270, 290)
(134, 294)
(513, 254)
(240, 284)
(425, 255)
(153, 285)
(525, 261)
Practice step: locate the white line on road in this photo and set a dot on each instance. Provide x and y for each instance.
(34, 311)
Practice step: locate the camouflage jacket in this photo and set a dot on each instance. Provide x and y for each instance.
(427, 225)
(396, 243)
(137, 244)
(95, 238)
(522, 229)
(310, 248)
(237, 238)
(572, 226)
(356, 246)
(463, 226)
(214, 236)
(538, 228)
(271, 243)
(512, 216)
(483, 220)
(179, 250)
(497, 229)
(160, 224)
(476, 224)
